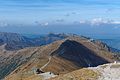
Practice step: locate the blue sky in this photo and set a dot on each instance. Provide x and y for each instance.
(24, 13)
(43, 10)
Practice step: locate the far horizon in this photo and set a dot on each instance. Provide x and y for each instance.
(90, 18)
(62, 16)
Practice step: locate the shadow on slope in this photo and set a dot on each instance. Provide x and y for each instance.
(79, 54)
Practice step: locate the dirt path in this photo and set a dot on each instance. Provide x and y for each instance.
(46, 64)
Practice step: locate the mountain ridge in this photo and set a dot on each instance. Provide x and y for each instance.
(16, 41)
(60, 64)
(57, 53)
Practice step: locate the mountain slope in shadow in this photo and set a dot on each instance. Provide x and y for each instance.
(74, 51)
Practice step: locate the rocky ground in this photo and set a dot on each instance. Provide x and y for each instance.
(109, 71)
(102, 72)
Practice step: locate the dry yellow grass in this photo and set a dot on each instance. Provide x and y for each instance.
(20, 77)
(59, 65)
(82, 74)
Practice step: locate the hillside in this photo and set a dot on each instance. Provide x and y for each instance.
(59, 57)
(102, 72)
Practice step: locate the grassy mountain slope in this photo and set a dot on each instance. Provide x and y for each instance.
(59, 57)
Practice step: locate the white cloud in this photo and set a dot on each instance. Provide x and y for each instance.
(98, 21)
(60, 20)
(45, 24)
(3, 24)
(41, 23)
(116, 22)
(82, 21)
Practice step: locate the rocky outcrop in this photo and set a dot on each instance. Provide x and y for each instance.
(102, 72)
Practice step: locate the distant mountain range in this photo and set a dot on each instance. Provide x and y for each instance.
(14, 41)
(114, 42)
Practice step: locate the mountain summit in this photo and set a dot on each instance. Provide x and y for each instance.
(59, 57)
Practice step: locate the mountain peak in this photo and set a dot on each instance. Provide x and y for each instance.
(58, 57)
(80, 54)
